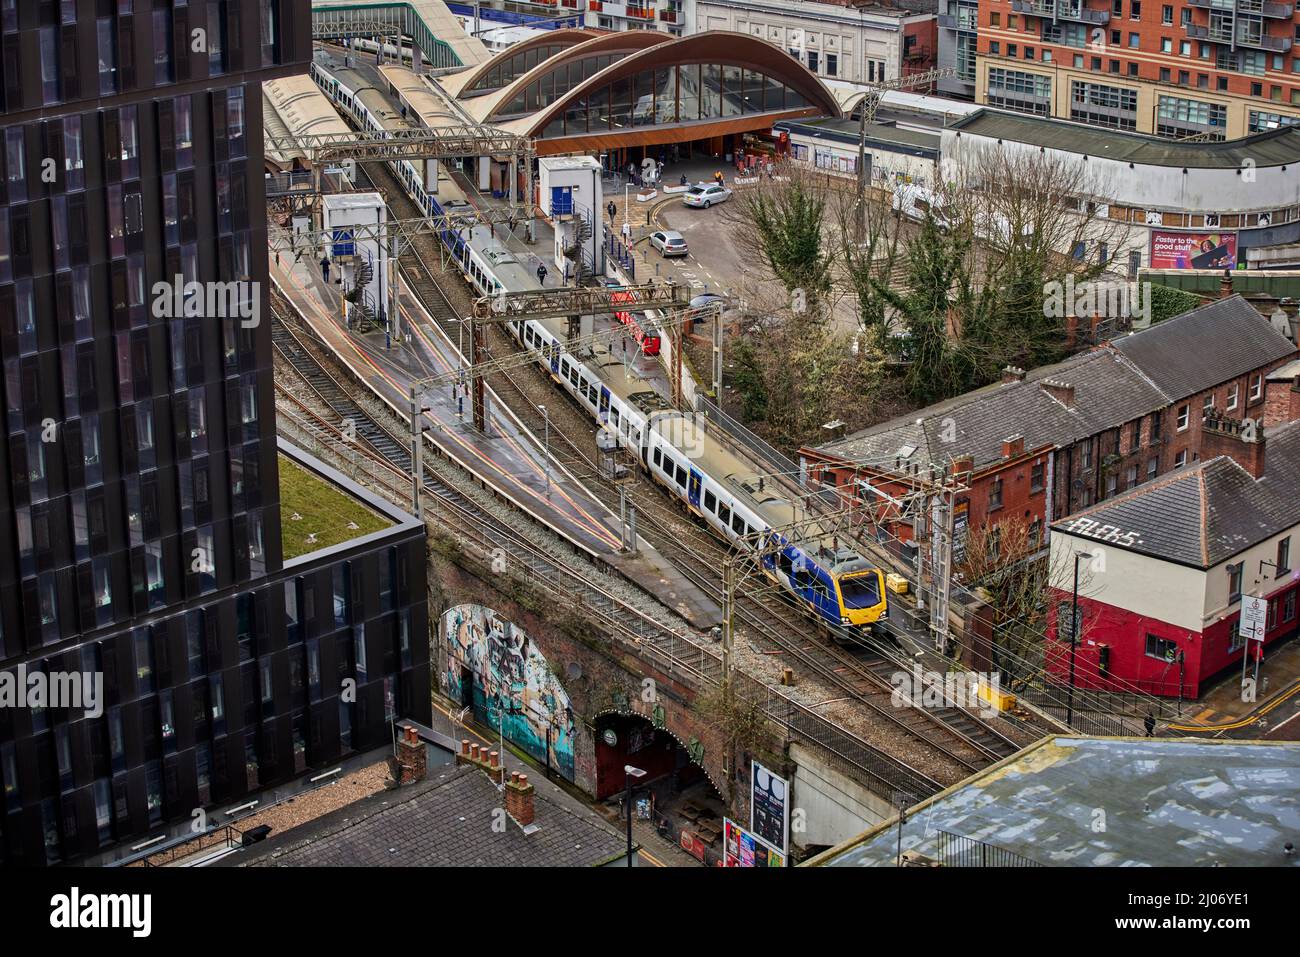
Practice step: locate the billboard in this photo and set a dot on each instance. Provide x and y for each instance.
(740, 848)
(1171, 250)
(769, 807)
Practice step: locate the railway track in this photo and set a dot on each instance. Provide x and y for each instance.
(884, 774)
(862, 673)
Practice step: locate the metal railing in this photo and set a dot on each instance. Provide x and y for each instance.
(954, 850)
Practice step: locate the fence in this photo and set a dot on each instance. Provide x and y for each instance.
(954, 850)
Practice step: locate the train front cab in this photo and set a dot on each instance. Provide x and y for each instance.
(863, 599)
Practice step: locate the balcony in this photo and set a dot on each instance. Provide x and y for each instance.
(641, 13)
(593, 5)
(1262, 41)
(1277, 11)
(1217, 35)
(1073, 10)
(668, 16)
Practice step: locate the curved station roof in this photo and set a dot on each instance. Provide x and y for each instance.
(578, 90)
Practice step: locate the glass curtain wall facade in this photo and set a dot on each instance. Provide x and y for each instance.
(139, 504)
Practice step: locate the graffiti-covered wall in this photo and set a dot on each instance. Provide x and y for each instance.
(494, 666)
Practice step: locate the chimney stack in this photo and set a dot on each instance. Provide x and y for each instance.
(1225, 284)
(412, 757)
(520, 799)
(1013, 374)
(1281, 400)
(1224, 436)
(962, 466)
(1062, 392)
(1071, 330)
(1013, 446)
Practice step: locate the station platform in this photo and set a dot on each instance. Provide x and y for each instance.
(507, 457)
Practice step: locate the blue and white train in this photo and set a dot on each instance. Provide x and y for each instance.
(844, 590)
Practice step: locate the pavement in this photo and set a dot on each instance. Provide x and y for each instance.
(1274, 714)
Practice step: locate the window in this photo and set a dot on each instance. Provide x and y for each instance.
(1232, 397)
(1234, 582)
(1167, 15)
(1166, 649)
(1180, 459)
(1207, 404)
(1135, 438)
(1153, 466)
(1036, 477)
(1256, 386)
(1283, 556)
(995, 495)
(1087, 453)
(1184, 417)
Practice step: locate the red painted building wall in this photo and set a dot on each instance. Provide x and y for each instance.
(1206, 653)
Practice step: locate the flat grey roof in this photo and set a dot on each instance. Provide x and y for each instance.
(879, 134)
(1118, 802)
(1272, 148)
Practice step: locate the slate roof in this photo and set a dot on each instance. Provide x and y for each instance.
(1272, 148)
(1203, 515)
(1130, 377)
(1168, 802)
(445, 821)
(1209, 345)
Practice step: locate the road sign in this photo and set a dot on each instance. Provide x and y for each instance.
(1254, 617)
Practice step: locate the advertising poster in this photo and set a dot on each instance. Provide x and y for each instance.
(740, 848)
(769, 807)
(1170, 250)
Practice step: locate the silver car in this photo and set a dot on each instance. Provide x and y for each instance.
(669, 242)
(704, 195)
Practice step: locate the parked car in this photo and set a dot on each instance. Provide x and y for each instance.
(669, 242)
(704, 195)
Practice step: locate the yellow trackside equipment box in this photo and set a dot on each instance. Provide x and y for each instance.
(896, 583)
(999, 699)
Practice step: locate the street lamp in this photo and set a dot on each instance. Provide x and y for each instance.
(546, 443)
(629, 772)
(1074, 637)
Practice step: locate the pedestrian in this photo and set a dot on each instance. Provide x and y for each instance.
(1150, 724)
(541, 273)
(683, 182)
(612, 210)
(325, 268)
(627, 234)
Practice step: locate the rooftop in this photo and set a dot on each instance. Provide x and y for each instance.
(446, 821)
(325, 514)
(1160, 802)
(1203, 515)
(1273, 148)
(880, 134)
(1130, 377)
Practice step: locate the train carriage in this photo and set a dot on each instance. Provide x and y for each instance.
(831, 579)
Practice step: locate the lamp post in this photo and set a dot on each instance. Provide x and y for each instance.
(629, 773)
(1074, 637)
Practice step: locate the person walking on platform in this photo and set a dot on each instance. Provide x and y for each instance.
(541, 273)
(627, 234)
(1149, 722)
(325, 268)
(612, 210)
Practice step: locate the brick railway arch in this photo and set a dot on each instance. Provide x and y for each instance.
(694, 749)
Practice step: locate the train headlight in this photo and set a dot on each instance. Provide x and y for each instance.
(844, 620)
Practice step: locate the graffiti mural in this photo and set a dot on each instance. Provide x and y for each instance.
(494, 666)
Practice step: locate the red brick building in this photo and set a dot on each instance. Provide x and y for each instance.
(1168, 564)
(1040, 446)
(1175, 68)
